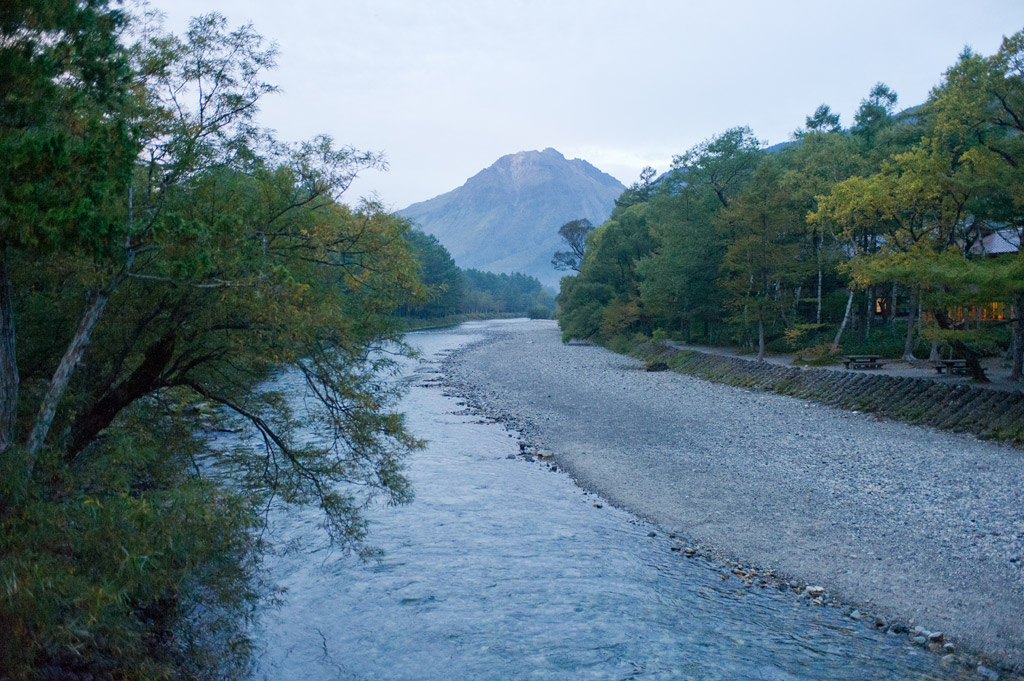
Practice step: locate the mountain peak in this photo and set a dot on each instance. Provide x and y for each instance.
(505, 218)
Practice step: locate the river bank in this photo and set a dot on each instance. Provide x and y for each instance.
(991, 411)
(912, 524)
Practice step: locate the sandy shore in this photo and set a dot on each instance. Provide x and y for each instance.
(917, 525)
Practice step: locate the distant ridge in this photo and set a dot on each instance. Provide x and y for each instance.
(506, 217)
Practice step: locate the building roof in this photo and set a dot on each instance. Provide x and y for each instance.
(998, 242)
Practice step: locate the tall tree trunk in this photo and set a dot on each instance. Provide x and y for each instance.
(817, 313)
(142, 381)
(977, 371)
(821, 243)
(908, 343)
(869, 312)
(760, 335)
(846, 318)
(892, 307)
(1018, 338)
(9, 380)
(62, 376)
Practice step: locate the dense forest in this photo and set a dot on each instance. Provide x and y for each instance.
(899, 234)
(452, 292)
(161, 258)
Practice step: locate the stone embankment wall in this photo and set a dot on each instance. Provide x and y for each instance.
(995, 414)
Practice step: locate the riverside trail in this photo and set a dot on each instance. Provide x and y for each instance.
(911, 524)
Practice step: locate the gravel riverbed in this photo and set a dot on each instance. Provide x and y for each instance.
(914, 525)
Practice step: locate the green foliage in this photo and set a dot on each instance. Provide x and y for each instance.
(516, 293)
(127, 565)
(823, 121)
(439, 274)
(886, 341)
(574, 234)
(604, 300)
(797, 334)
(581, 306)
(183, 285)
(766, 238)
(818, 355)
(767, 246)
(65, 133)
(452, 293)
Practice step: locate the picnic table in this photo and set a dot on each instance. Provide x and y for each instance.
(955, 367)
(863, 362)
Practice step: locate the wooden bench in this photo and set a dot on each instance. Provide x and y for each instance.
(956, 367)
(863, 362)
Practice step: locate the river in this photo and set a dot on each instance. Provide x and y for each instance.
(504, 569)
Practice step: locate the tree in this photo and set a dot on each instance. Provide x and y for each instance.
(679, 279)
(823, 120)
(915, 207)
(875, 112)
(821, 160)
(516, 293)
(605, 301)
(439, 274)
(979, 109)
(762, 262)
(638, 192)
(722, 163)
(65, 92)
(179, 284)
(574, 234)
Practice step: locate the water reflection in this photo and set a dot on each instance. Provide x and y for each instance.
(501, 569)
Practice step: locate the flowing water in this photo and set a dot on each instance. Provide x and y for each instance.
(503, 569)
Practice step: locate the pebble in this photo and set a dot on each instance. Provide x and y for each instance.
(988, 674)
(919, 640)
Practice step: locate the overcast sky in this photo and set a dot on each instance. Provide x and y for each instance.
(445, 87)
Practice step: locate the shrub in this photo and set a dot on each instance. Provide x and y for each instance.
(126, 565)
(818, 355)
